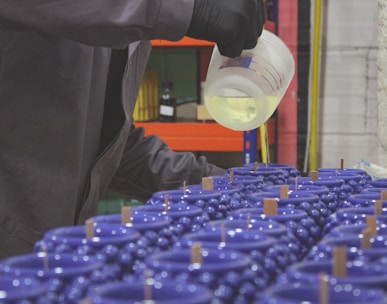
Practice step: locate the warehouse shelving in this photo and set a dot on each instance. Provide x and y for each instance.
(199, 136)
(202, 136)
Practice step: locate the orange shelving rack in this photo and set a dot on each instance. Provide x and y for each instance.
(202, 136)
(186, 41)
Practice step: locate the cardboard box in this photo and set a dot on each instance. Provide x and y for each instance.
(202, 113)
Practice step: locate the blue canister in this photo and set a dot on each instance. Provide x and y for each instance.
(151, 291)
(212, 202)
(232, 276)
(297, 293)
(67, 276)
(116, 244)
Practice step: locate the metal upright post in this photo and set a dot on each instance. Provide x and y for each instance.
(249, 146)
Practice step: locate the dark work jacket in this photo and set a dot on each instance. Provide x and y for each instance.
(62, 143)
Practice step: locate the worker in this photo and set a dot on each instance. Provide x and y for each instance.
(66, 101)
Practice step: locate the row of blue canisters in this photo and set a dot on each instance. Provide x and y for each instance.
(366, 217)
(353, 250)
(244, 249)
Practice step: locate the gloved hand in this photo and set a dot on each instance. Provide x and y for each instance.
(234, 25)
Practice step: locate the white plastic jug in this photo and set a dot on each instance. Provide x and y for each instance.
(242, 93)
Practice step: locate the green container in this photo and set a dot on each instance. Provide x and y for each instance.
(112, 203)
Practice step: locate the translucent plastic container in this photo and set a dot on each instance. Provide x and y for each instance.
(242, 93)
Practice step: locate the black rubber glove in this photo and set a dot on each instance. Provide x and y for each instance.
(234, 25)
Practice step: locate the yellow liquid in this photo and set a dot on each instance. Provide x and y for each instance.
(241, 113)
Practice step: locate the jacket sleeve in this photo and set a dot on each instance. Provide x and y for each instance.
(148, 165)
(103, 23)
